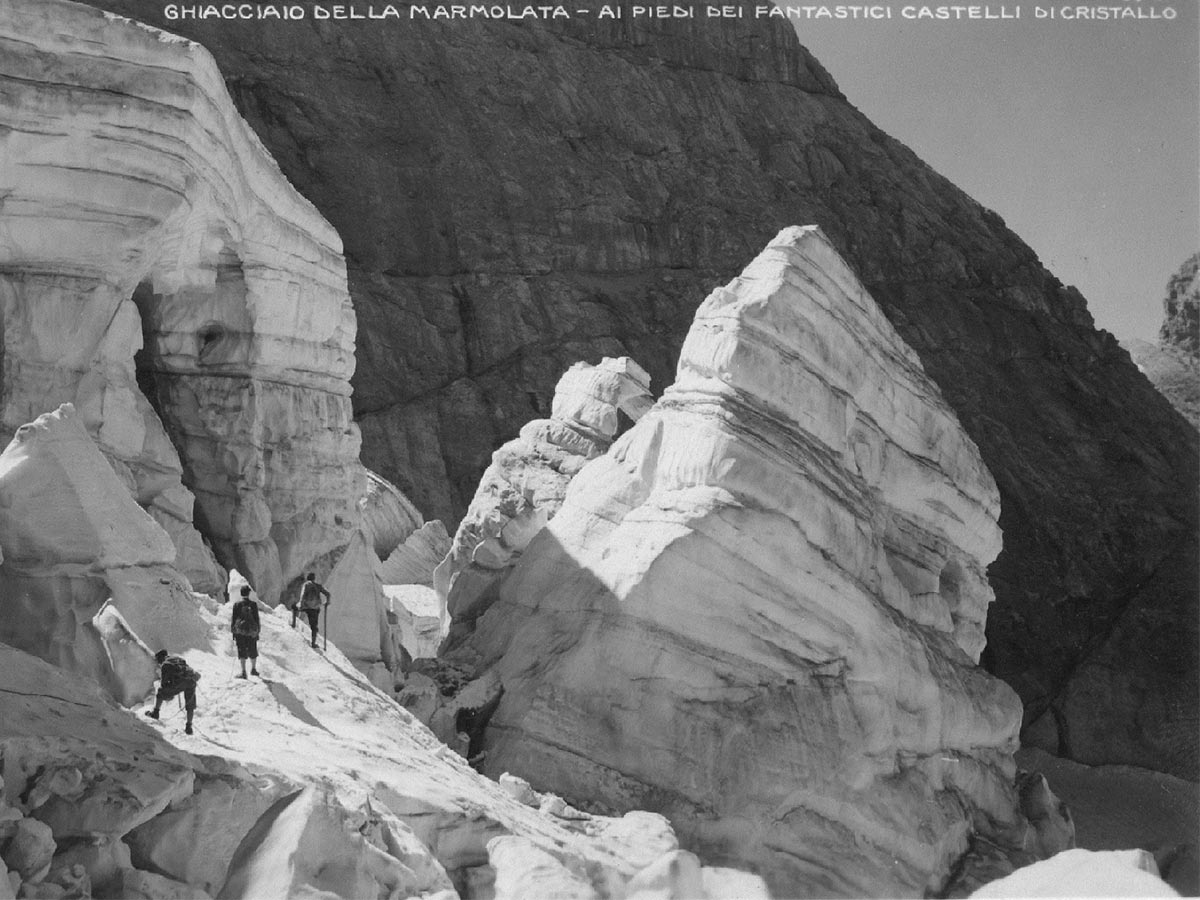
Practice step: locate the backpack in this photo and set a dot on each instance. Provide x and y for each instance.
(310, 595)
(176, 672)
(245, 624)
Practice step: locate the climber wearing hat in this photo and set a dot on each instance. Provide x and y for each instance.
(176, 677)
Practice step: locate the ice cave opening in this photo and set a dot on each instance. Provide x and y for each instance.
(195, 356)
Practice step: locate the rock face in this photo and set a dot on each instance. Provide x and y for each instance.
(504, 217)
(1173, 364)
(72, 539)
(1181, 325)
(524, 486)
(1142, 672)
(760, 611)
(153, 224)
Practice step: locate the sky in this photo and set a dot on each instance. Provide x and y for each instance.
(1082, 135)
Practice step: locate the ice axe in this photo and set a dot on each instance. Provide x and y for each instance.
(325, 631)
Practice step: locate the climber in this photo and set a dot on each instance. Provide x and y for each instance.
(310, 602)
(245, 628)
(176, 677)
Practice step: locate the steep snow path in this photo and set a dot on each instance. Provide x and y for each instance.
(310, 758)
(312, 717)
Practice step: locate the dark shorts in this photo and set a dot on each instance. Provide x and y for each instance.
(247, 647)
(189, 695)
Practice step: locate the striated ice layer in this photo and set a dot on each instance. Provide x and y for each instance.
(159, 272)
(524, 486)
(760, 612)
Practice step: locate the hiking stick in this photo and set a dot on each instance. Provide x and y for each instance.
(325, 636)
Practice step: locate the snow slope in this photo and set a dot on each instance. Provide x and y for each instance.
(308, 779)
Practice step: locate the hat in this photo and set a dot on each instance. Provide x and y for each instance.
(245, 590)
(160, 656)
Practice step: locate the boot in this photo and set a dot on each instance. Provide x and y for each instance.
(152, 713)
(187, 729)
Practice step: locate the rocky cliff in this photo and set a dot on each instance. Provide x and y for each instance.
(1181, 308)
(159, 272)
(1173, 364)
(515, 197)
(760, 611)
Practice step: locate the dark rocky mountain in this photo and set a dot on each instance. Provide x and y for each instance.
(514, 197)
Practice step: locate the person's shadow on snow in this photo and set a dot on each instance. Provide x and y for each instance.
(284, 697)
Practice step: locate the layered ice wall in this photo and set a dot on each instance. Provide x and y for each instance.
(760, 611)
(158, 272)
(524, 486)
(87, 579)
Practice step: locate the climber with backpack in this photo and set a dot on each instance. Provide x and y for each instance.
(175, 677)
(310, 603)
(245, 627)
